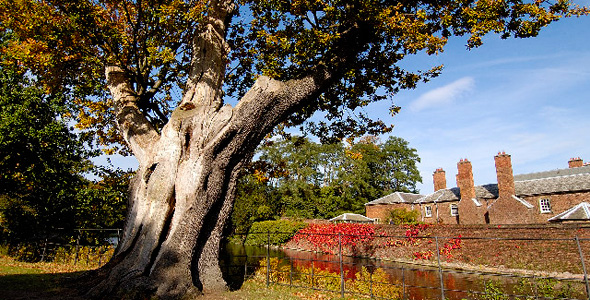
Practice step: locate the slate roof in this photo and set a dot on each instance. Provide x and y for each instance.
(553, 173)
(559, 184)
(488, 191)
(576, 213)
(549, 182)
(397, 197)
(350, 217)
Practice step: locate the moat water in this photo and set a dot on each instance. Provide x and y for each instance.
(415, 281)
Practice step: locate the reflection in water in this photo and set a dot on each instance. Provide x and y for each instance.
(417, 282)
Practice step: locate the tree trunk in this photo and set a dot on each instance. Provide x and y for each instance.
(180, 199)
(183, 191)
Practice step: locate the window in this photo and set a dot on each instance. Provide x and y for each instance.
(428, 211)
(376, 220)
(545, 205)
(454, 210)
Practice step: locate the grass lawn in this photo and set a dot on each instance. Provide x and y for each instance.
(21, 280)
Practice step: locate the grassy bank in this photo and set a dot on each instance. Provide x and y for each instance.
(21, 280)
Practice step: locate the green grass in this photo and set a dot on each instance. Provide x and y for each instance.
(21, 280)
(255, 289)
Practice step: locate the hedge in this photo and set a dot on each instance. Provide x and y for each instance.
(281, 231)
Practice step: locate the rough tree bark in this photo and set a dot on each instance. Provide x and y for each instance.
(183, 191)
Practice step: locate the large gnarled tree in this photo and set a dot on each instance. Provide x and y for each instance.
(162, 70)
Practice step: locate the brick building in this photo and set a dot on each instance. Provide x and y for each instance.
(552, 196)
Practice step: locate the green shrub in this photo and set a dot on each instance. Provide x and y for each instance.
(281, 231)
(400, 216)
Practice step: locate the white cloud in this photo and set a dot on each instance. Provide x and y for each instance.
(443, 95)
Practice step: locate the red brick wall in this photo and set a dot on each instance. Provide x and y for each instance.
(520, 231)
(504, 210)
(469, 213)
(444, 213)
(504, 175)
(439, 179)
(507, 210)
(380, 211)
(575, 162)
(465, 179)
(559, 204)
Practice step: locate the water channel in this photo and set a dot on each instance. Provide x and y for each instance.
(418, 282)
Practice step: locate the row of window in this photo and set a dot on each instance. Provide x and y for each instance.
(454, 210)
(544, 207)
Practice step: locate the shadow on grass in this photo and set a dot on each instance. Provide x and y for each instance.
(39, 286)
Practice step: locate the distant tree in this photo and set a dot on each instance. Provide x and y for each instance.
(256, 202)
(373, 169)
(102, 203)
(41, 160)
(313, 180)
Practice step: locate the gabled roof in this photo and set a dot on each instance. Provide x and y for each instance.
(351, 217)
(577, 213)
(397, 197)
(518, 200)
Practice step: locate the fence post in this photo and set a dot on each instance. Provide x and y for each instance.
(290, 271)
(246, 266)
(77, 247)
(370, 285)
(440, 272)
(312, 273)
(536, 287)
(44, 249)
(583, 267)
(268, 259)
(341, 266)
(403, 282)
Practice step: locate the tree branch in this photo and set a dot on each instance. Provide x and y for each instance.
(137, 131)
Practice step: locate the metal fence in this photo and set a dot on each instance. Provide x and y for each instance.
(90, 247)
(434, 277)
(408, 275)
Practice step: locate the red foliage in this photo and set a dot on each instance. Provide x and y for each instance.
(449, 246)
(324, 237)
(412, 232)
(423, 255)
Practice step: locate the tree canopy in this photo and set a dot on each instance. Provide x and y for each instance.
(42, 165)
(68, 44)
(41, 161)
(299, 178)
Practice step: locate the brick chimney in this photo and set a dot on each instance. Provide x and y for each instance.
(465, 179)
(440, 179)
(575, 162)
(504, 174)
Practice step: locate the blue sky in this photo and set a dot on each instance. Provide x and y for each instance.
(527, 97)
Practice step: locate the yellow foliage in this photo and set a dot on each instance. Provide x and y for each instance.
(365, 284)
